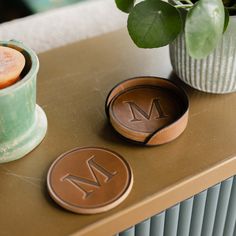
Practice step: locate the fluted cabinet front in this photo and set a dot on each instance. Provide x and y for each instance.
(209, 213)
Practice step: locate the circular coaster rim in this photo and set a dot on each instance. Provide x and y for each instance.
(90, 210)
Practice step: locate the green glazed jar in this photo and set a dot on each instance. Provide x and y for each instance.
(23, 124)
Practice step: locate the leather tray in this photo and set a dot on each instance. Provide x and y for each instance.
(148, 110)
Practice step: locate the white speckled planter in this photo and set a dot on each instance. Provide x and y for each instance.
(215, 73)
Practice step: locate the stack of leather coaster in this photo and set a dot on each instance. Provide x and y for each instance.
(148, 110)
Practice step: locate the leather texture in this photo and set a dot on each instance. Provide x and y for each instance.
(89, 180)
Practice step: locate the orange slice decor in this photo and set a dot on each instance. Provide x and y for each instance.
(12, 63)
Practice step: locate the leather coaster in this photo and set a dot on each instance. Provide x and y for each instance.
(148, 110)
(89, 180)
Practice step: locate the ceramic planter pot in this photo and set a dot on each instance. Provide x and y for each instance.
(215, 73)
(23, 124)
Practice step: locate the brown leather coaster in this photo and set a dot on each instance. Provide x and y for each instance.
(89, 180)
(148, 110)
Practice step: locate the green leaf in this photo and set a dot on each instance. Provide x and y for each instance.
(226, 19)
(204, 27)
(154, 23)
(125, 5)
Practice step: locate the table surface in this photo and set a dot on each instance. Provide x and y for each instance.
(73, 83)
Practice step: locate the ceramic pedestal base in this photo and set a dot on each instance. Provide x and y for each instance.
(20, 146)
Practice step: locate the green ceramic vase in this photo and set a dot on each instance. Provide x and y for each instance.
(23, 124)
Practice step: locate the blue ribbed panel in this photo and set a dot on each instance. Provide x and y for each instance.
(171, 221)
(209, 213)
(210, 210)
(143, 229)
(158, 224)
(128, 232)
(185, 217)
(231, 214)
(198, 213)
(222, 207)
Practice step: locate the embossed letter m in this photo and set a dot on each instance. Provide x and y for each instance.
(80, 182)
(155, 105)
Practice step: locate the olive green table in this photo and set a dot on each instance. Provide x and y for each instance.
(72, 87)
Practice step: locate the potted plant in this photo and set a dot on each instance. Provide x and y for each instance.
(201, 35)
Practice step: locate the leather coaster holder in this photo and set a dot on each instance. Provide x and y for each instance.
(148, 110)
(89, 180)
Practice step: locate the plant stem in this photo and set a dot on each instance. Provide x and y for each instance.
(184, 6)
(180, 4)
